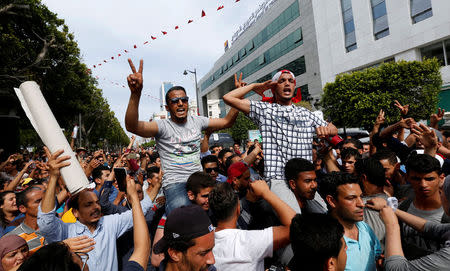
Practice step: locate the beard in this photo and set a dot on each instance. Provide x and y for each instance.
(188, 265)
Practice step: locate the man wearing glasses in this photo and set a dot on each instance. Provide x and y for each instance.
(177, 138)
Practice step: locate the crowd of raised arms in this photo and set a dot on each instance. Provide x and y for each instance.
(301, 198)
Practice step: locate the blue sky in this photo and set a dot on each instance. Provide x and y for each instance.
(104, 28)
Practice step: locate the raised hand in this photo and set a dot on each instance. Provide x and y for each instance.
(260, 88)
(426, 136)
(403, 108)
(435, 118)
(56, 161)
(380, 118)
(259, 188)
(323, 131)
(407, 123)
(80, 243)
(135, 80)
(239, 83)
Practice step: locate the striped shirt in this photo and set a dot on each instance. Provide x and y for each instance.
(34, 239)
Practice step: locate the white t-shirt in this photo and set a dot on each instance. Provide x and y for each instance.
(242, 250)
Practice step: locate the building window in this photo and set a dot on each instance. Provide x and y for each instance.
(440, 50)
(420, 10)
(210, 113)
(243, 52)
(305, 93)
(261, 59)
(349, 25)
(447, 51)
(380, 20)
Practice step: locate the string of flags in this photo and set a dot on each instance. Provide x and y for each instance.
(164, 32)
(144, 92)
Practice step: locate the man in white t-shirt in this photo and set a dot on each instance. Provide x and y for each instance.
(240, 249)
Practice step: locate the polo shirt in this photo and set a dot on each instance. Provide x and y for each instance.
(35, 240)
(362, 253)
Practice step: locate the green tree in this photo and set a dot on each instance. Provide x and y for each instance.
(355, 99)
(36, 45)
(239, 130)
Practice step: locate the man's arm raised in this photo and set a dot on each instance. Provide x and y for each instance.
(234, 98)
(132, 123)
(230, 118)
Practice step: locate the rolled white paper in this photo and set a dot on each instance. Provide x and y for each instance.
(75, 131)
(44, 122)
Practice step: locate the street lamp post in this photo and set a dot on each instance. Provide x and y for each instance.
(196, 88)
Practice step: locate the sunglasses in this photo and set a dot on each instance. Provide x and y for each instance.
(184, 99)
(209, 170)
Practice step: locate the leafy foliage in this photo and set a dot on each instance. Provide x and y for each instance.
(355, 99)
(36, 45)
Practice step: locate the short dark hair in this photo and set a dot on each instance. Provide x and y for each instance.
(172, 89)
(373, 170)
(356, 142)
(74, 201)
(295, 166)
(153, 157)
(181, 244)
(222, 153)
(151, 171)
(386, 155)
(209, 159)
(422, 163)
(228, 162)
(331, 181)
(214, 146)
(199, 180)
(350, 152)
(52, 257)
(21, 198)
(97, 172)
(223, 201)
(315, 238)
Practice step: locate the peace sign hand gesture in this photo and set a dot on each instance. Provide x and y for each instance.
(135, 80)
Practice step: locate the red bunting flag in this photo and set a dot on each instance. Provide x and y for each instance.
(135, 46)
(94, 66)
(153, 38)
(164, 32)
(146, 42)
(100, 64)
(176, 27)
(190, 21)
(203, 13)
(112, 57)
(126, 51)
(105, 61)
(221, 7)
(119, 55)
(237, 1)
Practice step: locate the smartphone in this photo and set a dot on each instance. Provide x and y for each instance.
(120, 174)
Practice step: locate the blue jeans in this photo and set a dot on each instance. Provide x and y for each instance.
(176, 196)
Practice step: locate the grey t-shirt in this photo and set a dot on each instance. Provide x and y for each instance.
(437, 261)
(179, 148)
(415, 244)
(372, 218)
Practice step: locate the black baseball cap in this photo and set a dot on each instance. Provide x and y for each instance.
(189, 221)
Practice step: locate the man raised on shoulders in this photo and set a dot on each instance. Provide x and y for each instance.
(177, 138)
(287, 130)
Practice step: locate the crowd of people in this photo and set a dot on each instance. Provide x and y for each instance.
(304, 198)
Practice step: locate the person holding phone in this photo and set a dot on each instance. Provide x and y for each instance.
(86, 208)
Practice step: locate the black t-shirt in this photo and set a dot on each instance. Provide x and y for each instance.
(132, 266)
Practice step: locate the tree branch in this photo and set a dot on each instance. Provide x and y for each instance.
(8, 7)
(42, 54)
